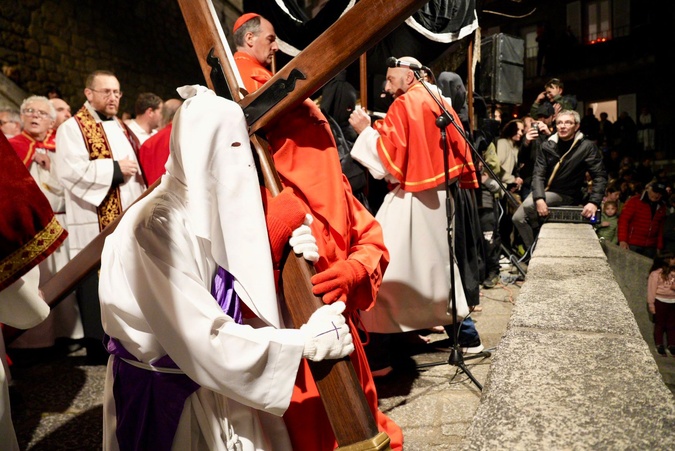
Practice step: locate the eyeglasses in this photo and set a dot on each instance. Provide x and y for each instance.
(109, 92)
(34, 112)
(565, 122)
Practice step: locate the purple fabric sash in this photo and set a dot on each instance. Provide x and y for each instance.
(149, 403)
(222, 290)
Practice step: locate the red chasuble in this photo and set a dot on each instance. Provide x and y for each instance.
(26, 146)
(29, 230)
(252, 73)
(410, 144)
(306, 158)
(153, 154)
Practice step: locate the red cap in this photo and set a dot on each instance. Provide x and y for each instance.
(242, 20)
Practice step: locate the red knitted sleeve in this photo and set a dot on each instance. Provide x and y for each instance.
(283, 214)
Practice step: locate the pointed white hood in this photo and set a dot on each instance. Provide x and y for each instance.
(211, 155)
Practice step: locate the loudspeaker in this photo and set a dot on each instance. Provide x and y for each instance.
(501, 69)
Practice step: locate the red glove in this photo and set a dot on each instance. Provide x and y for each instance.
(336, 282)
(283, 214)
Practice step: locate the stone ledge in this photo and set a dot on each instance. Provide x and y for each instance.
(572, 294)
(572, 370)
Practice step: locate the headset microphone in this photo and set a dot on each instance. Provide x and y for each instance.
(393, 62)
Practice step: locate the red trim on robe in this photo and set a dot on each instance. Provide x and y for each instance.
(25, 145)
(410, 144)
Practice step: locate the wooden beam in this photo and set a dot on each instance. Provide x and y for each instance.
(340, 45)
(363, 78)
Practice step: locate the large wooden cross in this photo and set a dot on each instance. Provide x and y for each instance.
(338, 385)
(352, 35)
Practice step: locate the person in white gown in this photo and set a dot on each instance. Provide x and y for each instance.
(405, 150)
(187, 371)
(96, 165)
(35, 145)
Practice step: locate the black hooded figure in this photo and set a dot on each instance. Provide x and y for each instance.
(451, 83)
(451, 86)
(469, 244)
(338, 100)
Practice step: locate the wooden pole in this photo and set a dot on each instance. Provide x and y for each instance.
(469, 82)
(363, 78)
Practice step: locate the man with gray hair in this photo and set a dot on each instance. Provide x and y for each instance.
(36, 148)
(10, 122)
(559, 174)
(256, 44)
(36, 140)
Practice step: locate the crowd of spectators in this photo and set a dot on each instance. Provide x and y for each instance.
(638, 206)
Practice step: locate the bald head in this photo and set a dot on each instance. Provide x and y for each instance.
(411, 60)
(169, 108)
(62, 111)
(400, 79)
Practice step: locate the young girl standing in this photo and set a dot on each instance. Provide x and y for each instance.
(661, 300)
(609, 222)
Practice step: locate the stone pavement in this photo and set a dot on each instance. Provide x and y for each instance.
(435, 405)
(57, 401)
(56, 398)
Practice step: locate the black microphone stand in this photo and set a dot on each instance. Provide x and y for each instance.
(456, 358)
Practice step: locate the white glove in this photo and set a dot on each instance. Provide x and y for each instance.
(303, 242)
(327, 334)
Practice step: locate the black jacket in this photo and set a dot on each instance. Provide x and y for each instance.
(570, 178)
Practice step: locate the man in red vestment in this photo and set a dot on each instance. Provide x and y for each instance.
(36, 146)
(154, 151)
(351, 248)
(36, 141)
(405, 149)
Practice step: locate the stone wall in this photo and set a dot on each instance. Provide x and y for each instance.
(145, 43)
(631, 271)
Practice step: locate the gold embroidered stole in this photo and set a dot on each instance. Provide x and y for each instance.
(45, 240)
(98, 147)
